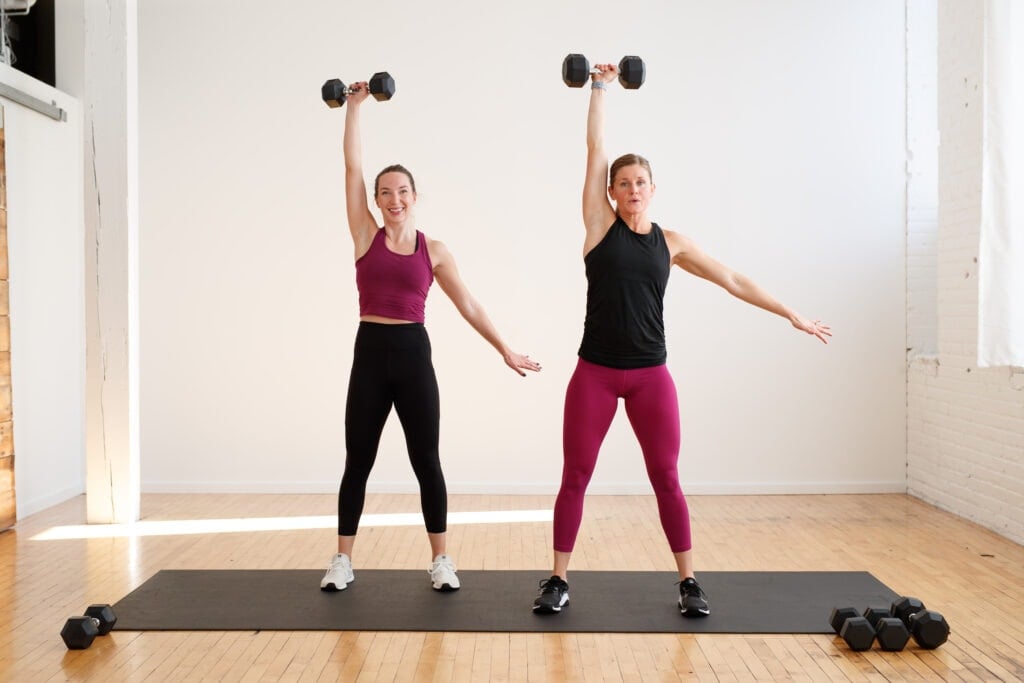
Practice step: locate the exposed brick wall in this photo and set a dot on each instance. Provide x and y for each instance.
(965, 425)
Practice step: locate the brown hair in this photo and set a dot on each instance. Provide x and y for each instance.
(629, 160)
(393, 168)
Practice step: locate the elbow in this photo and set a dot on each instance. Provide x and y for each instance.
(471, 313)
(735, 284)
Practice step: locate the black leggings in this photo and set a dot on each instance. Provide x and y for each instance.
(392, 366)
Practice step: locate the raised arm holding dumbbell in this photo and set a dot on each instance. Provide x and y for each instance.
(623, 353)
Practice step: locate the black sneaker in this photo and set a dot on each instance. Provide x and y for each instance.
(554, 594)
(693, 601)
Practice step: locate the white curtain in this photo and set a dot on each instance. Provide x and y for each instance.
(1001, 248)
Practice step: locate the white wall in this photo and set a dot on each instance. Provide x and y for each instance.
(45, 241)
(965, 424)
(776, 132)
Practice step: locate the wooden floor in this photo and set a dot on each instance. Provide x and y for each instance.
(50, 571)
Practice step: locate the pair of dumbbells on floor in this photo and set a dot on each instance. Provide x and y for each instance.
(79, 632)
(893, 628)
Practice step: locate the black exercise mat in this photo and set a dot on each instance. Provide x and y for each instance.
(499, 601)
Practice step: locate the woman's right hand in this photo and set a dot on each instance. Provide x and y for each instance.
(360, 91)
(608, 73)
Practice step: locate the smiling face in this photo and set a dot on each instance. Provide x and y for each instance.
(631, 189)
(396, 195)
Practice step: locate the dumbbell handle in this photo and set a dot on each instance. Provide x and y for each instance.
(348, 90)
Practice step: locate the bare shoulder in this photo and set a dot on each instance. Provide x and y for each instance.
(678, 243)
(438, 252)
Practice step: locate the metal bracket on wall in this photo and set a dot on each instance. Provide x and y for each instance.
(46, 108)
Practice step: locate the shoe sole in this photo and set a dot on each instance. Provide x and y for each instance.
(550, 609)
(333, 588)
(694, 612)
(445, 588)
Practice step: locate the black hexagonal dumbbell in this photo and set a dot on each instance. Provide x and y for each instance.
(891, 633)
(576, 71)
(381, 85)
(840, 615)
(928, 628)
(79, 632)
(854, 629)
(873, 614)
(903, 607)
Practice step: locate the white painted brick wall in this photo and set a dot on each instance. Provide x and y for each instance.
(922, 179)
(965, 425)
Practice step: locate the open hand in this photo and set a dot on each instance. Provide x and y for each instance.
(813, 327)
(519, 362)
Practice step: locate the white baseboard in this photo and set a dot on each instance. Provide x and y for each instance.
(34, 505)
(533, 488)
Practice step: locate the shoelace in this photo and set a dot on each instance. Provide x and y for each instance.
(443, 563)
(551, 586)
(688, 589)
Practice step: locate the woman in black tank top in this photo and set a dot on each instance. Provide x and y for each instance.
(623, 355)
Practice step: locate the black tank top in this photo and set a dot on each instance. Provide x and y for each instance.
(626, 277)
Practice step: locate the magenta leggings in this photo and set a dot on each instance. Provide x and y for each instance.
(653, 410)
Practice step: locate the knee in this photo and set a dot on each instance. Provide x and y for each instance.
(427, 467)
(356, 473)
(575, 481)
(666, 483)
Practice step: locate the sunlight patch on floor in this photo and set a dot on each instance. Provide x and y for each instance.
(178, 527)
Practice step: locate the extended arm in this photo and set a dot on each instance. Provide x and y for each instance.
(598, 214)
(688, 256)
(361, 223)
(447, 275)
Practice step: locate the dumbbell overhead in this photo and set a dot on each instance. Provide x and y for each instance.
(576, 71)
(381, 86)
(79, 632)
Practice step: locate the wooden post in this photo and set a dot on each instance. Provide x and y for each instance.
(7, 501)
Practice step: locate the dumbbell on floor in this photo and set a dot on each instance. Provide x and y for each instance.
(381, 85)
(891, 633)
(576, 71)
(79, 632)
(905, 618)
(849, 625)
(928, 628)
(860, 631)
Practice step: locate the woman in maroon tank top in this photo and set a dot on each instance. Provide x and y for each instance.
(391, 367)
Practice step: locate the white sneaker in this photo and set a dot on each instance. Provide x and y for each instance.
(339, 574)
(442, 574)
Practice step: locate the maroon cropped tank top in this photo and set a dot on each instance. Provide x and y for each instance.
(394, 285)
